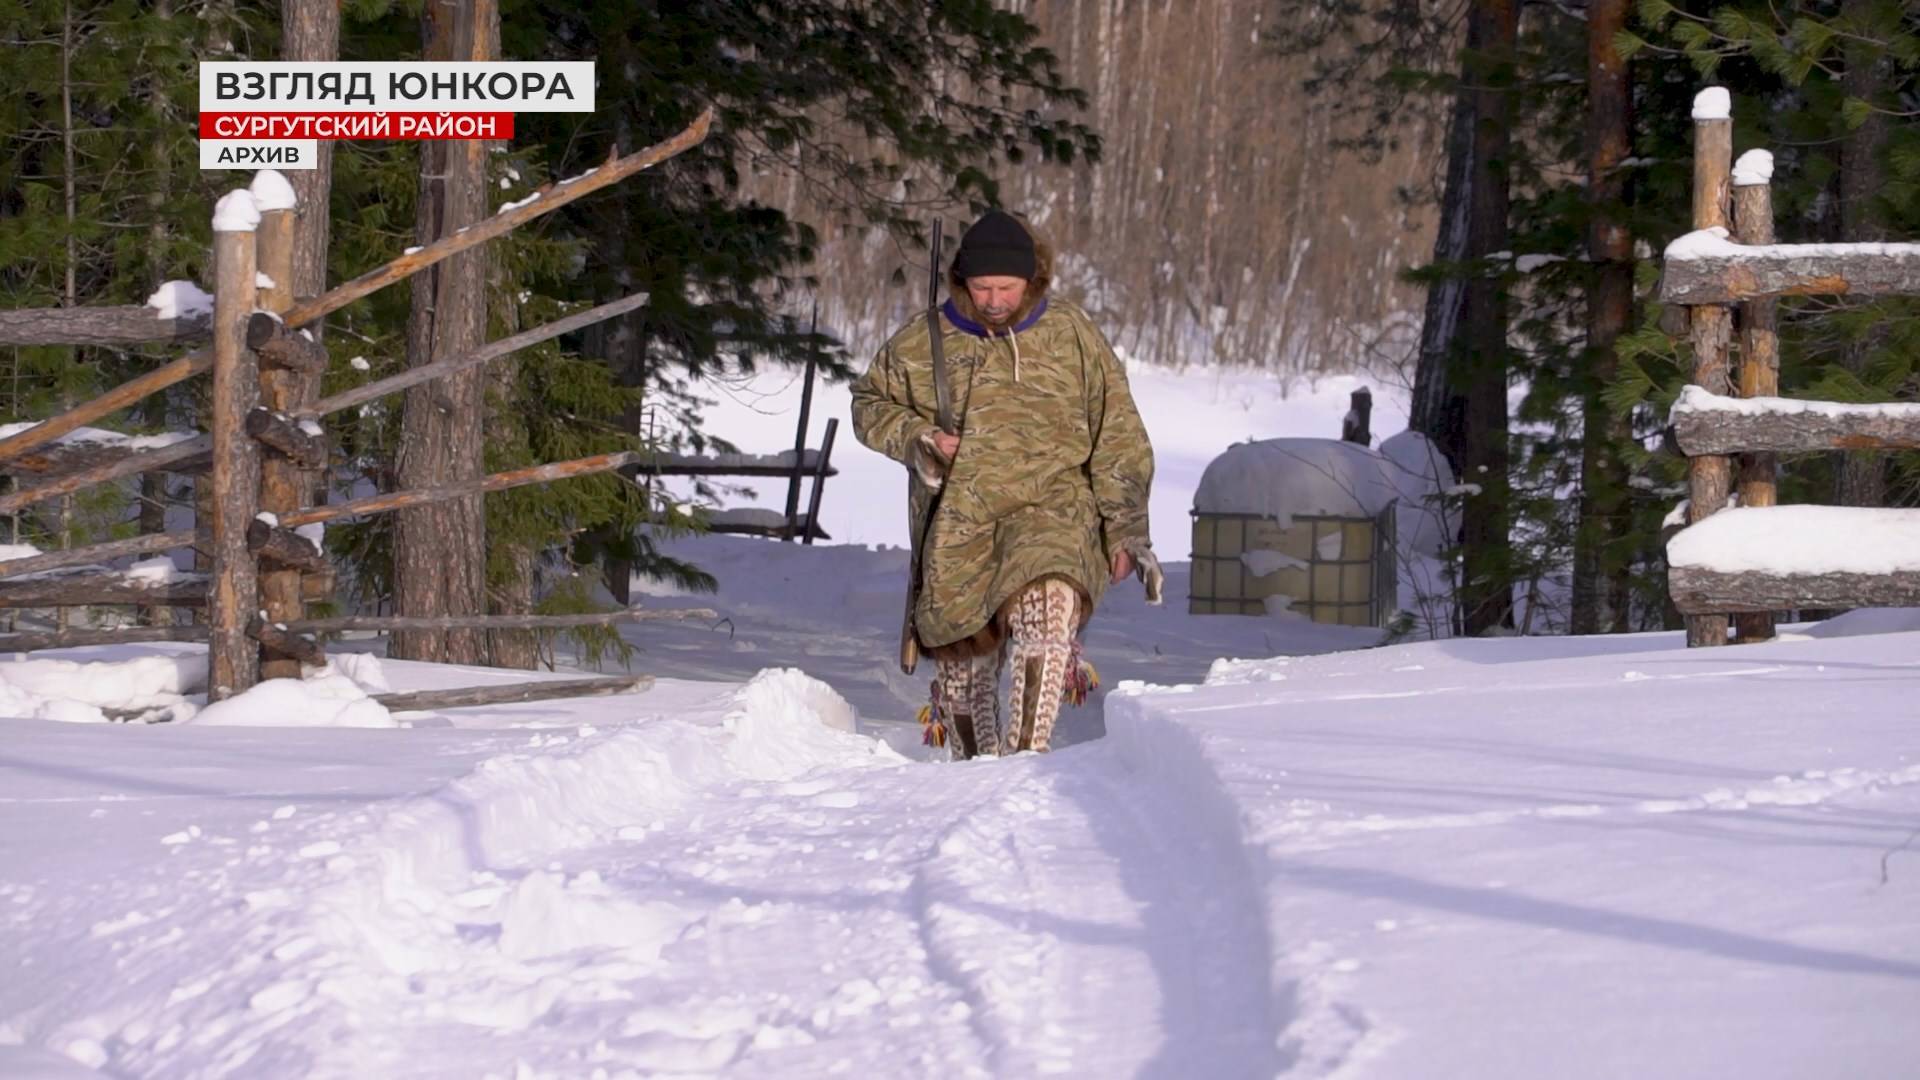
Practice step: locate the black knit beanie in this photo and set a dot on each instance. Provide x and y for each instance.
(997, 244)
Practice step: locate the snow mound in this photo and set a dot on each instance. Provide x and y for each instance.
(1423, 522)
(1801, 540)
(77, 691)
(458, 887)
(323, 699)
(180, 300)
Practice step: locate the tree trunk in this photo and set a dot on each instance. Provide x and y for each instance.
(1599, 583)
(513, 592)
(153, 486)
(310, 30)
(440, 551)
(1861, 479)
(1446, 298)
(1481, 364)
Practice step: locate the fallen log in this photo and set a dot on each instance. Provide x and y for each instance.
(111, 326)
(510, 693)
(28, 641)
(546, 200)
(93, 553)
(81, 590)
(535, 474)
(347, 623)
(1698, 590)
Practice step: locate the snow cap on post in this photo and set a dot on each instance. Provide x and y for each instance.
(271, 191)
(1713, 103)
(1754, 167)
(236, 212)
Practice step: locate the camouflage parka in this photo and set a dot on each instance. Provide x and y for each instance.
(1054, 466)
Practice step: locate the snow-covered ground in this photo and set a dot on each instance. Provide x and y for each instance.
(1525, 857)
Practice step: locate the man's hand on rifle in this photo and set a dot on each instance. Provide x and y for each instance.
(946, 445)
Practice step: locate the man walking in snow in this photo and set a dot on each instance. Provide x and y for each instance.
(1038, 494)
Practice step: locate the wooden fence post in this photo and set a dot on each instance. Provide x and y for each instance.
(282, 482)
(819, 482)
(799, 453)
(1759, 351)
(233, 658)
(1710, 477)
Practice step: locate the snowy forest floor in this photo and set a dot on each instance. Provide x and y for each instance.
(1526, 857)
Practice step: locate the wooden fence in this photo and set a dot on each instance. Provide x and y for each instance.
(1733, 426)
(261, 449)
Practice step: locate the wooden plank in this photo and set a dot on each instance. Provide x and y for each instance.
(665, 465)
(93, 553)
(345, 623)
(820, 478)
(800, 435)
(551, 197)
(110, 326)
(233, 658)
(802, 527)
(535, 474)
(52, 462)
(127, 393)
(80, 590)
(1697, 590)
(125, 635)
(510, 693)
(164, 459)
(373, 391)
(1792, 270)
(1710, 477)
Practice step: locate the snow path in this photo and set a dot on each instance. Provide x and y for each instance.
(755, 893)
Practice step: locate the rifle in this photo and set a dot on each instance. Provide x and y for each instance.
(943, 416)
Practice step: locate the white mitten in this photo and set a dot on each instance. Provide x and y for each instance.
(1146, 566)
(928, 462)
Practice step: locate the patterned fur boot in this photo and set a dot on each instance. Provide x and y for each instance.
(1040, 627)
(965, 706)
